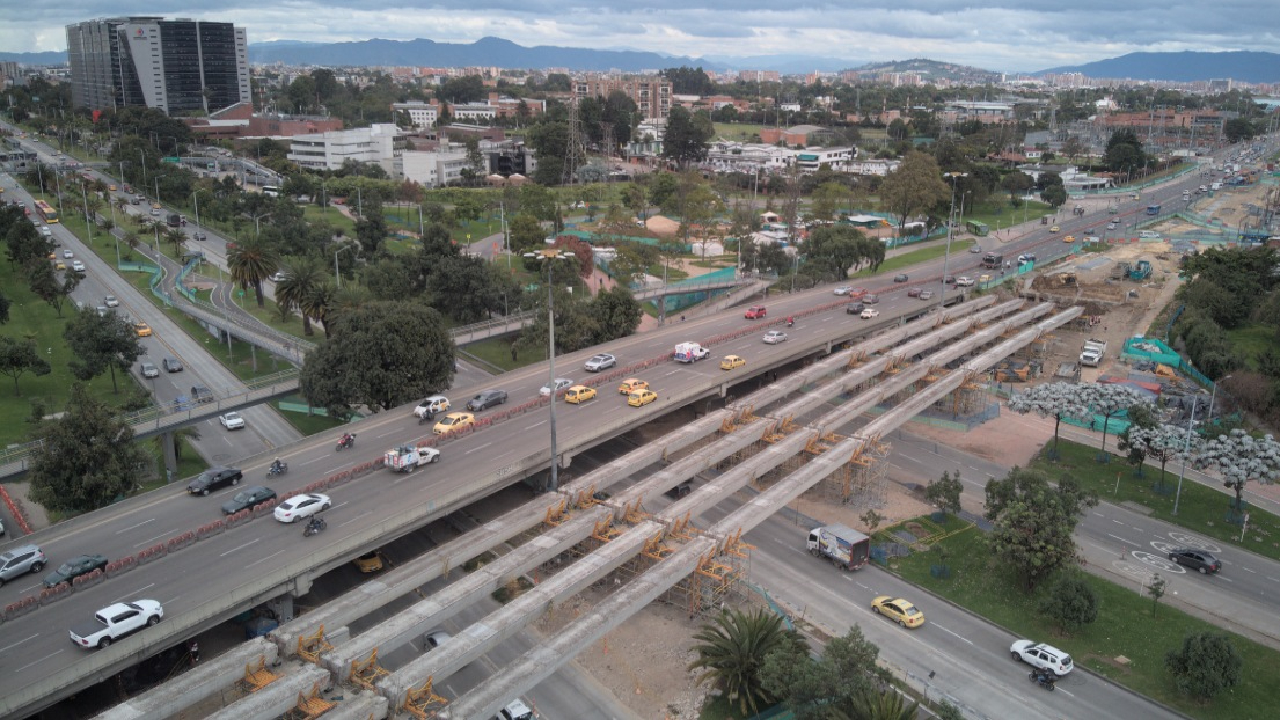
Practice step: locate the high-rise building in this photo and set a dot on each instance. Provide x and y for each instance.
(177, 66)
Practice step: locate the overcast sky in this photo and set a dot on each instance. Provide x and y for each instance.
(1006, 35)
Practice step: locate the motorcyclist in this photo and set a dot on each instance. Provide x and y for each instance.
(315, 525)
(790, 321)
(277, 466)
(348, 439)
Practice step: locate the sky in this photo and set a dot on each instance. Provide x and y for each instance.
(1000, 35)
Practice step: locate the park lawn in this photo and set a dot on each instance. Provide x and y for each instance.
(304, 423)
(1251, 340)
(1124, 627)
(1202, 510)
(333, 216)
(908, 259)
(497, 351)
(190, 464)
(738, 131)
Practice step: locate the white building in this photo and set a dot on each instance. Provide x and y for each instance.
(875, 166)
(474, 111)
(421, 114)
(433, 168)
(328, 151)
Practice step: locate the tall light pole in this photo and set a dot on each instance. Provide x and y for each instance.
(337, 278)
(548, 257)
(946, 256)
(195, 198)
(142, 163)
(1186, 450)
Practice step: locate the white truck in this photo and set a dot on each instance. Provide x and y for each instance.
(687, 352)
(842, 545)
(1093, 352)
(407, 458)
(116, 621)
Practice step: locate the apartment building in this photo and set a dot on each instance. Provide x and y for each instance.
(329, 150)
(178, 66)
(651, 94)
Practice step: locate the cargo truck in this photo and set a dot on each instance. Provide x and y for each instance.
(687, 352)
(842, 545)
(1092, 353)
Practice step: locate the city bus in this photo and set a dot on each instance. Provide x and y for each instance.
(46, 212)
(978, 229)
(271, 190)
(1153, 209)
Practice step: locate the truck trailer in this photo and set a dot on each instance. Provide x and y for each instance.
(842, 545)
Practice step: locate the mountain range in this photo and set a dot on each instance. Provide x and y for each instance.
(1253, 67)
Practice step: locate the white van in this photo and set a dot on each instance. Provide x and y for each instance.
(1148, 234)
(1216, 186)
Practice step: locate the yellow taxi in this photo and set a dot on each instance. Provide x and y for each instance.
(155, 205)
(579, 394)
(732, 361)
(631, 385)
(142, 329)
(112, 188)
(1069, 239)
(984, 278)
(454, 421)
(899, 611)
(60, 264)
(641, 397)
(370, 562)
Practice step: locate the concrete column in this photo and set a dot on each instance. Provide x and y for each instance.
(283, 608)
(169, 442)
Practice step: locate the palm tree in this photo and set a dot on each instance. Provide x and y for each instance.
(251, 262)
(131, 239)
(731, 651)
(177, 237)
(316, 303)
(887, 704)
(302, 276)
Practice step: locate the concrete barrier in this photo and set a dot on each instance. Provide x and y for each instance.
(51, 595)
(88, 580)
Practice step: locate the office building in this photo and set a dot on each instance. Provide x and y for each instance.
(180, 67)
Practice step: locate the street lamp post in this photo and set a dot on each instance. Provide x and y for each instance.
(946, 256)
(1186, 450)
(142, 163)
(337, 278)
(195, 198)
(549, 256)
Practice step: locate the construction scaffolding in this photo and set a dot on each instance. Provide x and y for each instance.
(861, 482)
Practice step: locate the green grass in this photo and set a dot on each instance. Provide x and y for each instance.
(1251, 340)
(333, 216)
(738, 131)
(307, 424)
(1201, 509)
(190, 463)
(908, 259)
(1124, 627)
(498, 352)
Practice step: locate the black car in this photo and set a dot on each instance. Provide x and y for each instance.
(74, 568)
(487, 399)
(1196, 560)
(171, 364)
(201, 394)
(248, 498)
(855, 308)
(214, 478)
(900, 277)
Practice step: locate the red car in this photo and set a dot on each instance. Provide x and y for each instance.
(755, 311)
(857, 293)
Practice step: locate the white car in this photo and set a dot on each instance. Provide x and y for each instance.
(964, 281)
(230, 421)
(149, 370)
(111, 301)
(77, 266)
(302, 506)
(870, 313)
(276, 277)
(432, 405)
(600, 362)
(561, 384)
(1044, 657)
(515, 710)
(68, 254)
(843, 290)
(773, 337)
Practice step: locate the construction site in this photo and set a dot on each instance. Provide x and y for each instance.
(575, 567)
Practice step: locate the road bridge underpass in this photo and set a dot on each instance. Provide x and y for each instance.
(537, 664)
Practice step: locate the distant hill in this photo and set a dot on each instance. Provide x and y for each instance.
(489, 51)
(930, 70)
(1251, 67)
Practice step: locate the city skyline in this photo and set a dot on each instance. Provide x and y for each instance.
(997, 35)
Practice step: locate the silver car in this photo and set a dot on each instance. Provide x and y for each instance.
(149, 370)
(20, 561)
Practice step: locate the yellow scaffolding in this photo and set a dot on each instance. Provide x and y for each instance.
(424, 703)
(256, 678)
(682, 528)
(604, 531)
(586, 499)
(311, 647)
(557, 513)
(309, 706)
(367, 672)
(633, 512)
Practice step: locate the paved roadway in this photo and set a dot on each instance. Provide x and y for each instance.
(263, 548)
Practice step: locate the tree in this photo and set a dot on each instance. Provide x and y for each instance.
(1207, 665)
(836, 250)
(826, 688)
(1055, 400)
(251, 262)
(463, 288)
(87, 459)
(663, 189)
(945, 493)
(101, 344)
(687, 136)
(913, 188)
(884, 704)
(1071, 603)
(689, 81)
(1016, 182)
(1124, 152)
(1110, 401)
(1237, 129)
(1054, 195)
(1163, 443)
(301, 277)
(826, 199)
(634, 197)
(731, 651)
(550, 141)
(526, 234)
(1156, 590)
(18, 358)
(1033, 522)
(617, 314)
(380, 355)
(1240, 458)
(4, 308)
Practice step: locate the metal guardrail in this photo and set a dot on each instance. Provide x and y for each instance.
(486, 328)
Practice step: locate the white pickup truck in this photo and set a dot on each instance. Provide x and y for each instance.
(116, 621)
(408, 458)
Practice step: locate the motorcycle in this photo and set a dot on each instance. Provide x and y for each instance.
(314, 527)
(791, 323)
(277, 470)
(1043, 678)
(347, 442)
(426, 418)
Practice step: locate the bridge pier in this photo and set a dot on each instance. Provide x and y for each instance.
(169, 443)
(283, 607)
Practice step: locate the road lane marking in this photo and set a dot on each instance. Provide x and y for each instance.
(304, 464)
(264, 559)
(150, 540)
(474, 449)
(1130, 542)
(540, 422)
(389, 432)
(953, 634)
(238, 548)
(353, 519)
(135, 527)
(14, 645)
(37, 662)
(136, 591)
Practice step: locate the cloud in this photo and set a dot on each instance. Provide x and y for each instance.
(992, 34)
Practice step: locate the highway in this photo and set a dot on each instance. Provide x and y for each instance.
(262, 549)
